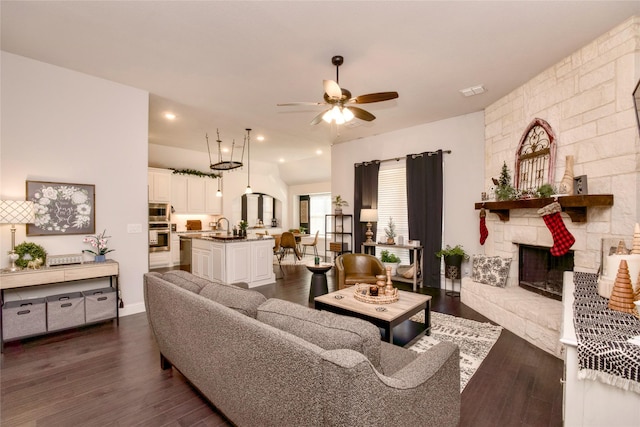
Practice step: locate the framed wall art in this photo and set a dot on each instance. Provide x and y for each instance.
(61, 208)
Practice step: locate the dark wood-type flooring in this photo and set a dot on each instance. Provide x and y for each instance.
(105, 375)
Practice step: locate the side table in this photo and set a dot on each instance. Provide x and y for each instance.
(319, 284)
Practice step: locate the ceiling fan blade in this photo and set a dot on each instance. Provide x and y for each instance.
(374, 97)
(332, 89)
(287, 104)
(317, 119)
(361, 114)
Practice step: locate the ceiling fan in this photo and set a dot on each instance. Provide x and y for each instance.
(339, 101)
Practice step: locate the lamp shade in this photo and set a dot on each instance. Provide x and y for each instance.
(16, 212)
(368, 215)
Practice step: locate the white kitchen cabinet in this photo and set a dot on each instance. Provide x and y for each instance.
(179, 193)
(159, 259)
(238, 262)
(262, 261)
(195, 195)
(201, 263)
(175, 249)
(159, 182)
(217, 262)
(249, 261)
(213, 204)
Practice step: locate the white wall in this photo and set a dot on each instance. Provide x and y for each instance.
(62, 126)
(265, 177)
(463, 168)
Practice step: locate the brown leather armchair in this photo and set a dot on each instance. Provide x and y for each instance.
(357, 268)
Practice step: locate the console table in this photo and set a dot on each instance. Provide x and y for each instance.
(416, 280)
(59, 274)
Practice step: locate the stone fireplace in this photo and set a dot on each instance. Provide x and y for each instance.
(587, 99)
(540, 272)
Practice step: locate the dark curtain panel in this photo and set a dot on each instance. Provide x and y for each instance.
(365, 196)
(424, 202)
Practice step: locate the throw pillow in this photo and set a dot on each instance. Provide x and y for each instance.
(327, 330)
(491, 270)
(241, 300)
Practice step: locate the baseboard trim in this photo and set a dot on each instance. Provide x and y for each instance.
(130, 309)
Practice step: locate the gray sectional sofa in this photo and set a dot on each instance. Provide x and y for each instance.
(275, 363)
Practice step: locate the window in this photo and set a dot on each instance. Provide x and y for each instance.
(319, 206)
(392, 203)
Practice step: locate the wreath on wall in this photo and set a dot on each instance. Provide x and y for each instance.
(28, 251)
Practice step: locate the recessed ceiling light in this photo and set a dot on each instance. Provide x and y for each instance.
(169, 116)
(318, 152)
(473, 90)
(281, 160)
(225, 150)
(260, 138)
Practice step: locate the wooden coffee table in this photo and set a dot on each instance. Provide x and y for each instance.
(392, 318)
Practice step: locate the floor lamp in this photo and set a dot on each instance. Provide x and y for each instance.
(369, 216)
(15, 212)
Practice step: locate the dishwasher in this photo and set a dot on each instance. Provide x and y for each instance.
(185, 254)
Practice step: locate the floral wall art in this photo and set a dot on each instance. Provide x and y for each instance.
(61, 208)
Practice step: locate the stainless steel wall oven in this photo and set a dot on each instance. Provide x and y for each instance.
(159, 236)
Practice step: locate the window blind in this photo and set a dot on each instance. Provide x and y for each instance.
(392, 203)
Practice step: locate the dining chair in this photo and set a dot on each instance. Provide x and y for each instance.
(288, 244)
(278, 251)
(305, 245)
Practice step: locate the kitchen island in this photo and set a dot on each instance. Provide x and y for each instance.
(230, 259)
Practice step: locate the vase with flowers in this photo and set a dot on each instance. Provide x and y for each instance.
(99, 244)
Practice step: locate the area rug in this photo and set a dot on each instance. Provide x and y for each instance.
(475, 339)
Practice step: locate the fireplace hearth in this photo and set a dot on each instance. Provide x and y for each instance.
(541, 272)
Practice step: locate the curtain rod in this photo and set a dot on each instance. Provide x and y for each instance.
(397, 159)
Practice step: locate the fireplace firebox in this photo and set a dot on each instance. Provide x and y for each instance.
(541, 272)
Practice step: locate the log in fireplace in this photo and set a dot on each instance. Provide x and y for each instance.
(541, 272)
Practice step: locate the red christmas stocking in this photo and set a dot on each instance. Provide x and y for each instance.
(562, 239)
(484, 232)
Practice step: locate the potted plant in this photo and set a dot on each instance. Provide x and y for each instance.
(243, 225)
(453, 257)
(99, 243)
(390, 231)
(339, 202)
(390, 260)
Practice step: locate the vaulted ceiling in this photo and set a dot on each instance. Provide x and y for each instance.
(226, 64)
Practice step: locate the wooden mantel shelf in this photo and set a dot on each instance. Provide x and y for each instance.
(574, 206)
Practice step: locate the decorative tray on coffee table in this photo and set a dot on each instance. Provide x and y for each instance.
(361, 293)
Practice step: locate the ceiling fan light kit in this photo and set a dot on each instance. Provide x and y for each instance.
(336, 97)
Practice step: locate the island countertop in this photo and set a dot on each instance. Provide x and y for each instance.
(224, 238)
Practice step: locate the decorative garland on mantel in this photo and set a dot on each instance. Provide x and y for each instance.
(196, 173)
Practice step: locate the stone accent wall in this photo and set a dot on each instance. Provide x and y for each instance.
(587, 100)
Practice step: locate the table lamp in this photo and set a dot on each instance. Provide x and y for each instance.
(369, 216)
(15, 212)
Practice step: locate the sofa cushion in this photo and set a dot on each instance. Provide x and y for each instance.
(242, 300)
(327, 330)
(185, 280)
(491, 270)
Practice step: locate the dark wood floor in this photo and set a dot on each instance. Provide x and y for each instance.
(105, 375)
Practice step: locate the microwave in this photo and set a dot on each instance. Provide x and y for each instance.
(159, 212)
